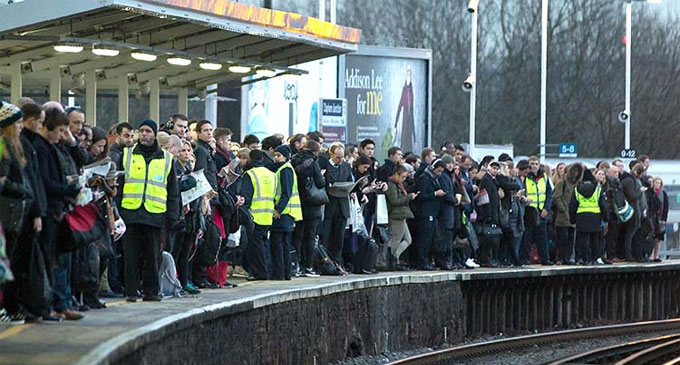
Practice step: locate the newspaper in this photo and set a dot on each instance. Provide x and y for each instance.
(201, 188)
(343, 189)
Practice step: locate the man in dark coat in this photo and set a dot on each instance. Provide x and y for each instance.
(394, 156)
(124, 138)
(633, 194)
(204, 153)
(428, 202)
(337, 209)
(488, 214)
(444, 254)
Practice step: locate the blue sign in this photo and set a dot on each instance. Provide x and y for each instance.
(628, 153)
(568, 150)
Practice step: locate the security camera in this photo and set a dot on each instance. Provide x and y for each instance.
(624, 116)
(469, 83)
(472, 6)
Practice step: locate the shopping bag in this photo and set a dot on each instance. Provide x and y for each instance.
(381, 209)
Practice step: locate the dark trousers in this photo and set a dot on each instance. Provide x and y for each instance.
(506, 254)
(588, 245)
(613, 243)
(142, 248)
(537, 235)
(424, 242)
(296, 243)
(279, 244)
(311, 226)
(180, 252)
(114, 268)
(18, 252)
(444, 255)
(565, 239)
(628, 231)
(255, 252)
(334, 236)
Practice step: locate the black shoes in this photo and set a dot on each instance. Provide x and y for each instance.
(152, 298)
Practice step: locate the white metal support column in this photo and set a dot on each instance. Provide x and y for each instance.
(123, 99)
(544, 75)
(154, 100)
(55, 84)
(17, 82)
(473, 73)
(629, 46)
(183, 101)
(91, 97)
(211, 104)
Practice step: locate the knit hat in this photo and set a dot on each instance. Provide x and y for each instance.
(588, 176)
(151, 124)
(447, 159)
(284, 150)
(9, 114)
(439, 163)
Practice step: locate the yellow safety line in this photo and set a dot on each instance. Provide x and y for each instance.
(14, 330)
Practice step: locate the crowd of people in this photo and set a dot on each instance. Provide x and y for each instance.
(151, 210)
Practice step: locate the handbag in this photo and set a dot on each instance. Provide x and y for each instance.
(315, 196)
(13, 213)
(531, 217)
(482, 198)
(488, 229)
(381, 209)
(624, 213)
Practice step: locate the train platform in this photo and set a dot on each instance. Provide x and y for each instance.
(114, 334)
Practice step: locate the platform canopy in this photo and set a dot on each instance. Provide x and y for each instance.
(156, 44)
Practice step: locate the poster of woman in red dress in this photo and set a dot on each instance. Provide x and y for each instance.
(406, 134)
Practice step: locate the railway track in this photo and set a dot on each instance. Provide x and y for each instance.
(645, 350)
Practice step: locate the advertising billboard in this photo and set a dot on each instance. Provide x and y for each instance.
(388, 93)
(288, 104)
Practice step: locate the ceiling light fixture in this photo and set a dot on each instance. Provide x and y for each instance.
(238, 69)
(68, 47)
(179, 61)
(143, 56)
(211, 66)
(105, 51)
(265, 72)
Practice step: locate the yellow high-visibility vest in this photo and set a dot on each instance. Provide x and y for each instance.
(294, 208)
(264, 192)
(588, 205)
(536, 192)
(146, 184)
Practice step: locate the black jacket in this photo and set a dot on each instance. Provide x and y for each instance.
(488, 213)
(630, 189)
(588, 222)
(116, 153)
(33, 174)
(386, 170)
(337, 206)
(307, 167)
(448, 206)
(285, 223)
(53, 179)
(17, 185)
(185, 182)
(205, 162)
(427, 204)
(140, 215)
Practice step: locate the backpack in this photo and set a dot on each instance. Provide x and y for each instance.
(170, 285)
(206, 254)
(367, 256)
(85, 269)
(324, 262)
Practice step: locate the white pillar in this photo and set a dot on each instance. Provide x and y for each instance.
(91, 97)
(629, 46)
(183, 101)
(473, 92)
(211, 104)
(154, 100)
(55, 84)
(17, 82)
(544, 75)
(123, 99)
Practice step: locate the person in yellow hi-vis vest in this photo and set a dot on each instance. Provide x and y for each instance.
(259, 190)
(150, 201)
(539, 202)
(588, 211)
(287, 211)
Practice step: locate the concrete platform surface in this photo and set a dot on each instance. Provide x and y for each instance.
(123, 326)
